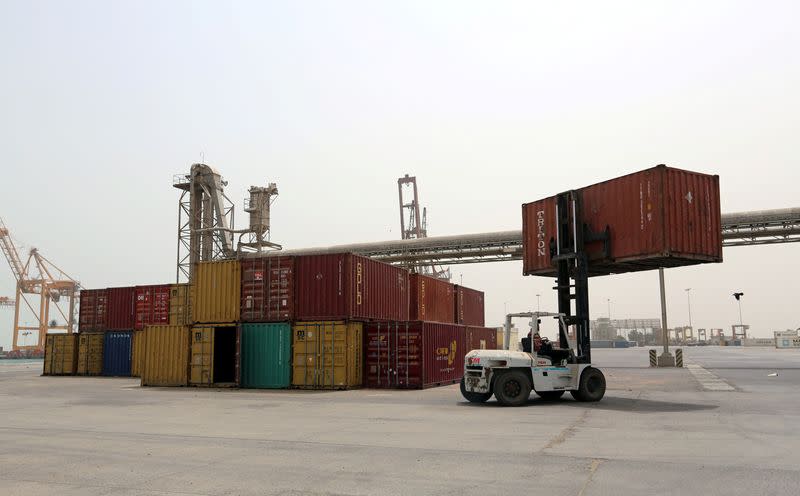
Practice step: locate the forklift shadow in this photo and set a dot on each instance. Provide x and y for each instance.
(608, 403)
(629, 405)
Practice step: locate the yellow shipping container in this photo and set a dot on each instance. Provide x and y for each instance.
(137, 354)
(60, 354)
(90, 353)
(166, 356)
(216, 292)
(327, 355)
(179, 304)
(213, 355)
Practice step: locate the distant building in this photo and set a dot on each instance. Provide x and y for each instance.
(602, 329)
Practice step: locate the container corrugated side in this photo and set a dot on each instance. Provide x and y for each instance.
(151, 305)
(265, 357)
(432, 299)
(216, 292)
(117, 347)
(93, 310)
(327, 355)
(267, 289)
(321, 286)
(213, 355)
(470, 306)
(90, 353)
(179, 304)
(481, 338)
(346, 286)
(137, 354)
(413, 354)
(121, 309)
(379, 291)
(658, 217)
(60, 354)
(166, 356)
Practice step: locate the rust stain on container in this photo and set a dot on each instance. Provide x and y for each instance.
(120, 309)
(413, 354)
(216, 292)
(658, 217)
(93, 311)
(469, 306)
(214, 355)
(179, 304)
(481, 338)
(60, 354)
(346, 286)
(432, 299)
(90, 353)
(166, 356)
(267, 289)
(151, 305)
(327, 355)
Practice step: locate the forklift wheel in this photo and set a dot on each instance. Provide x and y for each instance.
(550, 395)
(474, 397)
(592, 386)
(512, 388)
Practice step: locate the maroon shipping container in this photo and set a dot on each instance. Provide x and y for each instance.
(120, 309)
(349, 287)
(93, 310)
(267, 289)
(413, 354)
(469, 307)
(151, 305)
(481, 338)
(432, 299)
(659, 217)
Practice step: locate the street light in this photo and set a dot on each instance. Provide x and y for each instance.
(738, 297)
(538, 304)
(609, 309)
(689, 301)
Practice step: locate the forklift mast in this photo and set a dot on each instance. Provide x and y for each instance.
(568, 252)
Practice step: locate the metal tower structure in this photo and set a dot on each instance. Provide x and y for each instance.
(206, 220)
(41, 277)
(414, 225)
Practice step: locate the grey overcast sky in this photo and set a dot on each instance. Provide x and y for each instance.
(489, 104)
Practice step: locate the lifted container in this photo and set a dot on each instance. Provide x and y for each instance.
(432, 299)
(658, 217)
(214, 355)
(470, 306)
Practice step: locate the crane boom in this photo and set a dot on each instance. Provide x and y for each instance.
(10, 252)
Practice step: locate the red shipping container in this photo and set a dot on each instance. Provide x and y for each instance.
(151, 305)
(93, 310)
(470, 307)
(658, 217)
(349, 287)
(267, 289)
(120, 309)
(432, 299)
(413, 354)
(481, 338)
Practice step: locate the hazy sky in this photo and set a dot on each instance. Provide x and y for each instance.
(489, 104)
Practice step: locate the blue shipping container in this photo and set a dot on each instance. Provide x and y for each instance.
(117, 353)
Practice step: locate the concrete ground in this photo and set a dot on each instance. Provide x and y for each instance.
(722, 427)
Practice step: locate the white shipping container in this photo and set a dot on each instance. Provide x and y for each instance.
(787, 342)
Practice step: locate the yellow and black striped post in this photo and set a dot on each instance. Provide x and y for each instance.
(679, 357)
(653, 358)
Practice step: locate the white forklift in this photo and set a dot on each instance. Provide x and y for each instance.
(549, 369)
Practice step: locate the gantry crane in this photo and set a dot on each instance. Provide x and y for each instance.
(39, 276)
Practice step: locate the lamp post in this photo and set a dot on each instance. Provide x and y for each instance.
(609, 310)
(689, 301)
(538, 303)
(738, 297)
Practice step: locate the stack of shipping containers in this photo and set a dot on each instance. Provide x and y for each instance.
(330, 321)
